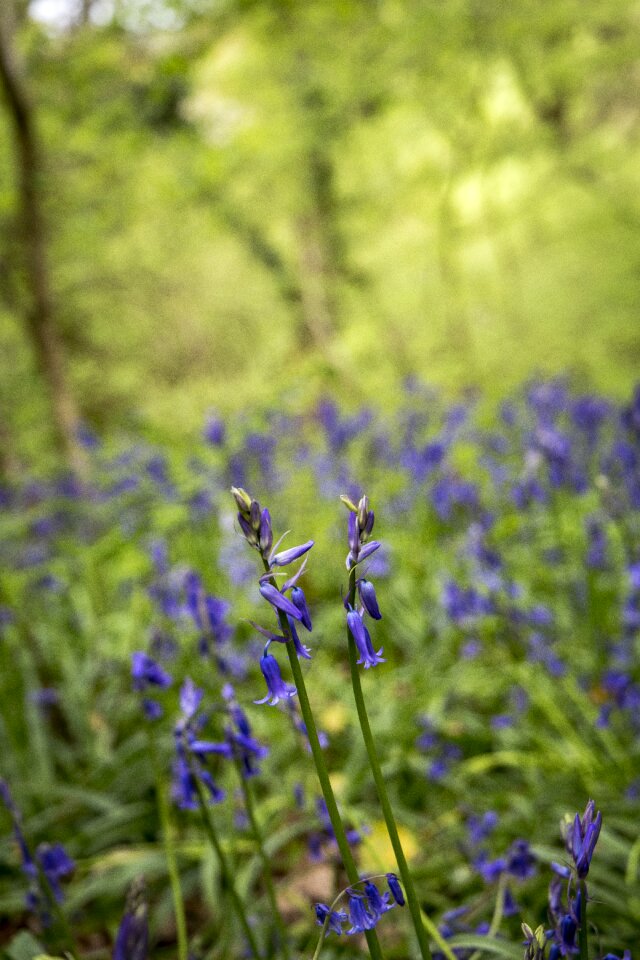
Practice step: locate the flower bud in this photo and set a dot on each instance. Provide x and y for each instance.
(242, 499)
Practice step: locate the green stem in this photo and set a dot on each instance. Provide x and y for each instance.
(56, 909)
(407, 880)
(224, 866)
(267, 876)
(583, 932)
(170, 856)
(323, 775)
(498, 911)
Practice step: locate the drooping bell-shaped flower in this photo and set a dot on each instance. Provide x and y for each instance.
(396, 889)
(300, 603)
(278, 600)
(369, 600)
(278, 689)
(362, 639)
(301, 650)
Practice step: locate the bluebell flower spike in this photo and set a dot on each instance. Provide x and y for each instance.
(132, 939)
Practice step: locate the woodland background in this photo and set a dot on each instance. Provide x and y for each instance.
(223, 203)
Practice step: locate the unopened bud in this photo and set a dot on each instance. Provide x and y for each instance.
(255, 515)
(242, 499)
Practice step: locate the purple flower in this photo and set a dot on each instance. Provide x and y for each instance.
(301, 650)
(214, 430)
(278, 689)
(521, 862)
(396, 889)
(336, 918)
(362, 639)
(582, 837)
(368, 597)
(378, 903)
(286, 557)
(146, 672)
(132, 939)
(361, 919)
(190, 698)
(55, 864)
(300, 603)
(273, 596)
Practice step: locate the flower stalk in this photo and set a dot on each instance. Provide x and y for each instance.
(170, 856)
(361, 521)
(266, 865)
(224, 867)
(323, 776)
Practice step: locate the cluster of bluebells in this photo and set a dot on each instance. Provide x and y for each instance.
(291, 611)
(44, 869)
(190, 764)
(442, 753)
(147, 674)
(193, 752)
(181, 600)
(566, 892)
(361, 520)
(365, 908)
(326, 833)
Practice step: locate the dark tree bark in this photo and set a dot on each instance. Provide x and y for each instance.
(40, 317)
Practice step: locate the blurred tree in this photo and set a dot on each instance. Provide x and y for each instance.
(39, 309)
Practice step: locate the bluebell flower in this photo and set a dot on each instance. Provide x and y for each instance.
(521, 862)
(146, 672)
(152, 709)
(360, 917)
(278, 600)
(489, 870)
(191, 752)
(368, 598)
(132, 939)
(362, 639)
(396, 889)
(336, 918)
(510, 907)
(52, 859)
(582, 836)
(278, 689)
(214, 430)
(479, 828)
(190, 698)
(243, 745)
(300, 603)
(56, 864)
(301, 650)
(377, 903)
(285, 557)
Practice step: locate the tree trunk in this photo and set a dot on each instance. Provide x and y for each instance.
(40, 319)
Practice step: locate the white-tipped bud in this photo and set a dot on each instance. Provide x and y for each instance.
(242, 499)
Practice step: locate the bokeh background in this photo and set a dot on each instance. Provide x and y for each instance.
(247, 202)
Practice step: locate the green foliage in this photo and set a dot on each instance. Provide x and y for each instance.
(336, 191)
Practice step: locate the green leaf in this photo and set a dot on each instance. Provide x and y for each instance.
(500, 948)
(23, 946)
